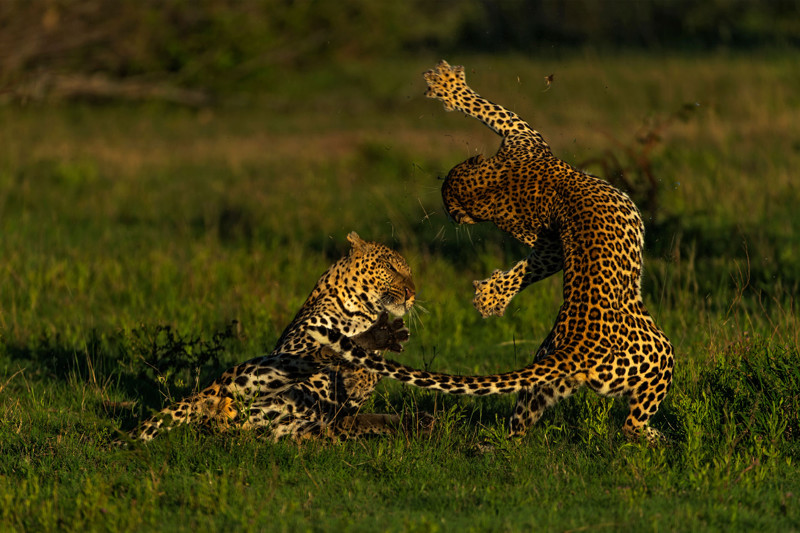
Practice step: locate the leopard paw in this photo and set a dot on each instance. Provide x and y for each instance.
(384, 335)
(442, 82)
(489, 300)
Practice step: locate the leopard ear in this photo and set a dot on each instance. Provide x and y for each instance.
(476, 159)
(359, 245)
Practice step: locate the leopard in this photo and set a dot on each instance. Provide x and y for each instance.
(603, 336)
(302, 389)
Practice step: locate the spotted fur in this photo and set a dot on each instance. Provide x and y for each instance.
(603, 336)
(303, 389)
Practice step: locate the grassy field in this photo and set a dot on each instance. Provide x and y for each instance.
(146, 247)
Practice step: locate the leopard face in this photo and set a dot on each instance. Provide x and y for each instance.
(458, 190)
(380, 274)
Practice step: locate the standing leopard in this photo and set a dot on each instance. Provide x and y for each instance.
(603, 336)
(302, 389)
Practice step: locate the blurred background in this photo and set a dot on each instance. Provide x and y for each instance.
(192, 51)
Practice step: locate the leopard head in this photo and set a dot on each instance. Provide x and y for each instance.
(463, 192)
(381, 275)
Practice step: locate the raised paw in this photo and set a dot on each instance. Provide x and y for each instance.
(491, 296)
(443, 82)
(384, 335)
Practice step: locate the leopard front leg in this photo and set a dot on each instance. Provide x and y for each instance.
(213, 406)
(345, 347)
(362, 349)
(492, 295)
(448, 84)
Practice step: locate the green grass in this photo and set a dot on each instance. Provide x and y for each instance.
(134, 236)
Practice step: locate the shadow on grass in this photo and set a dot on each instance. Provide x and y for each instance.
(149, 363)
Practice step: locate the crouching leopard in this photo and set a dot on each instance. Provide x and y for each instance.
(603, 336)
(303, 389)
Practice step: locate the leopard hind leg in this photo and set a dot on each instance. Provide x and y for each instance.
(652, 382)
(645, 400)
(211, 405)
(532, 403)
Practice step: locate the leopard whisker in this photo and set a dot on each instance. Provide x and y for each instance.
(467, 231)
(439, 234)
(414, 319)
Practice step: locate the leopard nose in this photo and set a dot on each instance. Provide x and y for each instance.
(409, 293)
